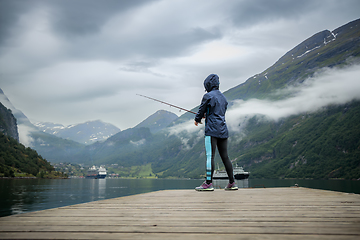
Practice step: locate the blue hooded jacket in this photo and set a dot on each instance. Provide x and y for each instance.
(213, 107)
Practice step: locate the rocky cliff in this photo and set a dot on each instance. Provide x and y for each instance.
(8, 124)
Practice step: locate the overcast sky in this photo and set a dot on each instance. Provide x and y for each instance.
(71, 61)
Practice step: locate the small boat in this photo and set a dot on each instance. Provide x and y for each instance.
(96, 173)
(239, 174)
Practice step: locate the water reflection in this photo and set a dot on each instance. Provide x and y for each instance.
(97, 188)
(102, 188)
(25, 195)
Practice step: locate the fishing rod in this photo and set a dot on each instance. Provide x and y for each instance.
(171, 105)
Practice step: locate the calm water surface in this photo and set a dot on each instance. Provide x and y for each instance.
(26, 195)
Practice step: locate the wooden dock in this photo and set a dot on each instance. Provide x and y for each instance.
(271, 213)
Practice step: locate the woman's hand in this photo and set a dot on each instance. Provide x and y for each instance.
(197, 123)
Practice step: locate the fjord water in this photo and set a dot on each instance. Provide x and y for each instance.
(27, 195)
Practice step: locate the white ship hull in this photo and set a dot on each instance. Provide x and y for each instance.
(239, 174)
(96, 173)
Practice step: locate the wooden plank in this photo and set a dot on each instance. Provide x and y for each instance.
(173, 236)
(156, 228)
(179, 223)
(275, 213)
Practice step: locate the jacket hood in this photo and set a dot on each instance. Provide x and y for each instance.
(211, 82)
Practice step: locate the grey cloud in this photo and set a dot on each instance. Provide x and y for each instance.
(84, 95)
(138, 66)
(10, 12)
(69, 18)
(141, 67)
(143, 47)
(81, 17)
(178, 44)
(248, 13)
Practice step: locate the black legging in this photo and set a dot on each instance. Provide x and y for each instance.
(221, 144)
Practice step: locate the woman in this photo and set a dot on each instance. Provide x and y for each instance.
(213, 107)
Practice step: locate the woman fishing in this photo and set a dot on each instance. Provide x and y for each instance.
(213, 107)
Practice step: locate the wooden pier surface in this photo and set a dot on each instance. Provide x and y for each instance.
(271, 213)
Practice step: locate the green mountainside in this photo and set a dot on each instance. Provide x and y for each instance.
(56, 149)
(325, 144)
(16, 160)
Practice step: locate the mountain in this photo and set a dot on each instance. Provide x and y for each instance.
(324, 49)
(58, 143)
(24, 126)
(158, 121)
(20, 116)
(119, 147)
(54, 149)
(133, 146)
(15, 159)
(8, 124)
(321, 143)
(86, 133)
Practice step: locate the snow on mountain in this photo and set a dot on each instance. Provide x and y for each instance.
(87, 133)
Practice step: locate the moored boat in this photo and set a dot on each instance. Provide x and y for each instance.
(96, 173)
(239, 174)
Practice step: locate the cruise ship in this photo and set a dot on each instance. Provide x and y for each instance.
(239, 174)
(96, 173)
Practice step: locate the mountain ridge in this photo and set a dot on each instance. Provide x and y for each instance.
(158, 121)
(346, 43)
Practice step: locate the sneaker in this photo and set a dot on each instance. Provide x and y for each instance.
(205, 187)
(231, 186)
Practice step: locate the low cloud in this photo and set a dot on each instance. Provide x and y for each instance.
(187, 127)
(25, 135)
(138, 143)
(328, 86)
(187, 130)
